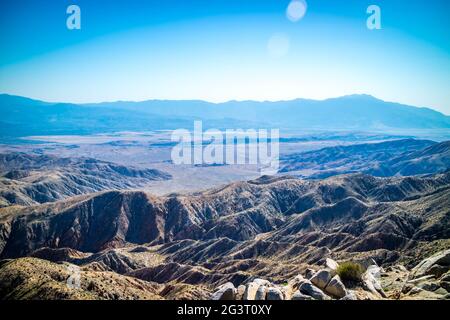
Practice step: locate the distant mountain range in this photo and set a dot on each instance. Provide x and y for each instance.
(21, 116)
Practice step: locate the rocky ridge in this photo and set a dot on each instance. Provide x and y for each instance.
(33, 179)
(430, 279)
(405, 157)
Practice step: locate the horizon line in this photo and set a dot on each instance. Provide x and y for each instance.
(223, 102)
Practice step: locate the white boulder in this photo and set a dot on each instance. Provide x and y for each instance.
(336, 288)
(226, 291)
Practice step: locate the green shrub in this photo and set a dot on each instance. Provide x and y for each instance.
(350, 271)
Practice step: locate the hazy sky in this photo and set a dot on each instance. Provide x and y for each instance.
(219, 50)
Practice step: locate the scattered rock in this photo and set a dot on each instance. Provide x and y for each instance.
(415, 290)
(402, 268)
(240, 292)
(397, 268)
(421, 279)
(441, 291)
(261, 293)
(425, 267)
(321, 278)
(429, 286)
(287, 292)
(446, 277)
(445, 285)
(225, 292)
(419, 294)
(336, 288)
(309, 289)
(296, 282)
(274, 294)
(261, 282)
(300, 296)
(309, 273)
(292, 286)
(407, 287)
(349, 296)
(371, 282)
(331, 264)
(250, 291)
(438, 270)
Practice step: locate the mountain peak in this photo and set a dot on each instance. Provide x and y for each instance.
(361, 96)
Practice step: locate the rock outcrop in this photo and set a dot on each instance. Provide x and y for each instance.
(371, 280)
(321, 278)
(225, 292)
(422, 282)
(274, 294)
(435, 265)
(309, 289)
(336, 288)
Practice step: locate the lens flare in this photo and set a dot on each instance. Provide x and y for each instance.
(296, 10)
(278, 45)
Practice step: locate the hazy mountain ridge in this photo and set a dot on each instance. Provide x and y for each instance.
(23, 117)
(348, 111)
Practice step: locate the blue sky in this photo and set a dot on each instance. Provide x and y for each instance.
(220, 50)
